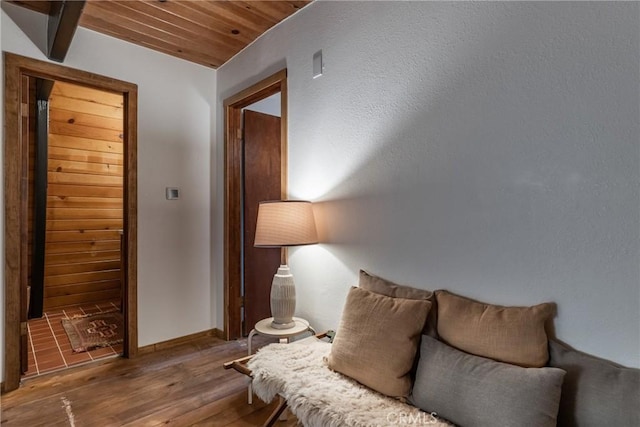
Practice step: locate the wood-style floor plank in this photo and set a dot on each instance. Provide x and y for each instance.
(180, 386)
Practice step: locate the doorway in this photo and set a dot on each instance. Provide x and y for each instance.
(76, 169)
(269, 181)
(261, 170)
(19, 71)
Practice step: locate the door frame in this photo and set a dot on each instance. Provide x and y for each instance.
(15, 66)
(232, 264)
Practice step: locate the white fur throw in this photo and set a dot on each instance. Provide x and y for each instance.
(319, 397)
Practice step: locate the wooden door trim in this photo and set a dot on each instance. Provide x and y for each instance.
(15, 217)
(232, 157)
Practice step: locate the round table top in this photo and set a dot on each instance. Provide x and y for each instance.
(263, 327)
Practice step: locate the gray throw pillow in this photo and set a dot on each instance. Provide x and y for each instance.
(595, 392)
(474, 391)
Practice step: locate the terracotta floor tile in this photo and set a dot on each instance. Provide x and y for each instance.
(41, 333)
(61, 335)
(44, 345)
(48, 355)
(44, 340)
(50, 366)
(48, 350)
(43, 362)
(38, 326)
(42, 337)
(75, 358)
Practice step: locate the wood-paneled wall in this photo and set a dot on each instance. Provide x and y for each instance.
(84, 196)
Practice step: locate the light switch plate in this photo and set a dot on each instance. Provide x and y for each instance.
(173, 193)
(317, 64)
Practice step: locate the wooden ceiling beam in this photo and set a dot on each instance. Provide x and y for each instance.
(63, 20)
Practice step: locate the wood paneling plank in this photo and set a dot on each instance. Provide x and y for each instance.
(84, 298)
(83, 131)
(79, 143)
(83, 119)
(62, 190)
(75, 213)
(85, 224)
(84, 202)
(64, 153)
(150, 36)
(84, 257)
(85, 180)
(198, 28)
(73, 247)
(83, 106)
(84, 267)
(75, 236)
(68, 279)
(84, 93)
(81, 288)
(86, 168)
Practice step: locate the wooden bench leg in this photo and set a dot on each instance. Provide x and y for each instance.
(282, 405)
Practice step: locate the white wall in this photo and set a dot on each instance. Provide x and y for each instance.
(270, 105)
(488, 148)
(175, 127)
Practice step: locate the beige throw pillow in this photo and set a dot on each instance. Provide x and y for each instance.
(386, 287)
(377, 340)
(507, 334)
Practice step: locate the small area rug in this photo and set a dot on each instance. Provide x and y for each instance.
(318, 396)
(94, 330)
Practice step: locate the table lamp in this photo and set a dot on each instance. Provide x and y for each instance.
(283, 223)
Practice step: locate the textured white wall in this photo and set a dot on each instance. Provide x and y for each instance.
(488, 148)
(175, 127)
(270, 105)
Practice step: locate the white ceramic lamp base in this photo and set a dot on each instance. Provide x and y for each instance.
(283, 299)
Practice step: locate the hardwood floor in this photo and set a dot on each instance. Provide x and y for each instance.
(181, 386)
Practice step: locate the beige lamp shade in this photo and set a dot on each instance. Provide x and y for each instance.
(285, 223)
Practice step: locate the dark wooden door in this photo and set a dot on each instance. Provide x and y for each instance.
(261, 175)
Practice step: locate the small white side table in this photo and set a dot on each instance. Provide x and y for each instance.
(264, 328)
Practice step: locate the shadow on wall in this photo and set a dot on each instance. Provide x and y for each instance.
(23, 18)
(491, 179)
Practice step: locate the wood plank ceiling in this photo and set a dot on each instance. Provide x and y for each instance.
(201, 31)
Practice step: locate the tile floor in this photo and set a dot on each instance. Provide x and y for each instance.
(49, 347)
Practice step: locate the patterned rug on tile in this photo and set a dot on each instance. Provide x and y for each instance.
(94, 330)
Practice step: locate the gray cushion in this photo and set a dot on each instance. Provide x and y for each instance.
(595, 392)
(474, 391)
